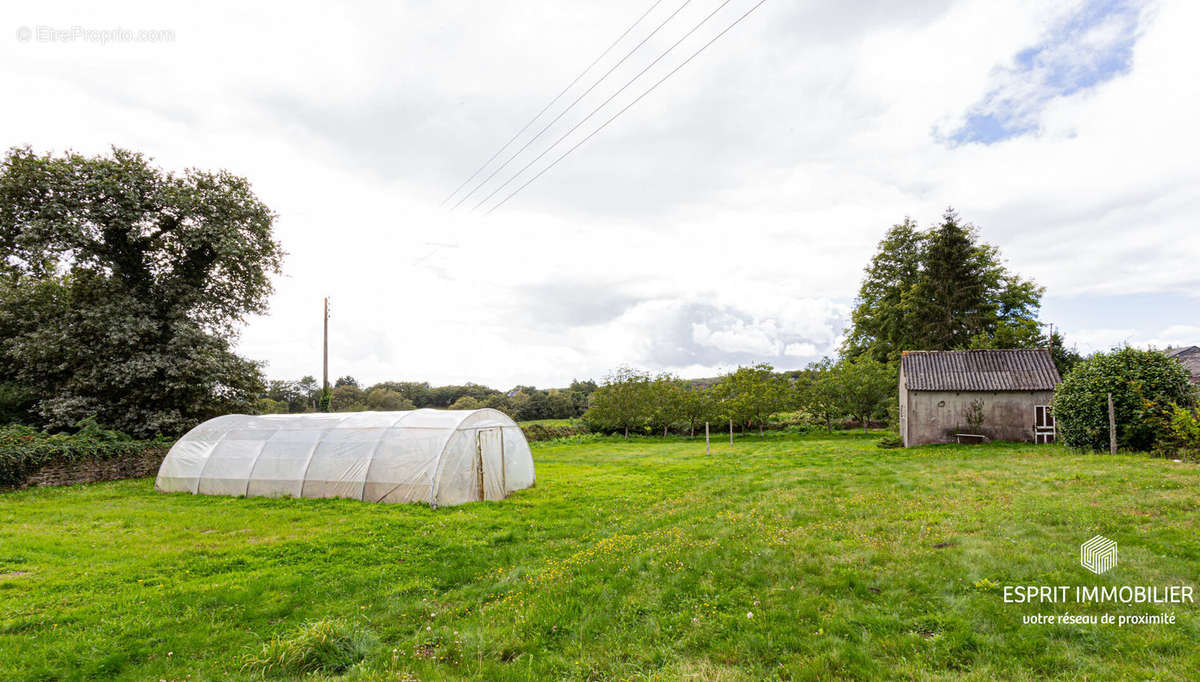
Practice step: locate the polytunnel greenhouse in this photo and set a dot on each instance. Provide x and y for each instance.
(435, 457)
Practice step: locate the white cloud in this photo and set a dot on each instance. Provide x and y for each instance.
(802, 350)
(725, 218)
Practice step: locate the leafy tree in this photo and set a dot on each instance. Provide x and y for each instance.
(384, 400)
(621, 401)
(345, 381)
(16, 403)
(664, 402)
(941, 289)
(819, 391)
(123, 285)
(299, 396)
(270, 406)
(749, 395)
(347, 398)
(444, 396)
(466, 403)
(559, 405)
(696, 406)
(865, 387)
(885, 314)
(1144, 387)
(499, 402)
(521, 402)
(579, 392)
(418, 392)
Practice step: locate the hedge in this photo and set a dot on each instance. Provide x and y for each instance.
(537, 432)
(24, 450)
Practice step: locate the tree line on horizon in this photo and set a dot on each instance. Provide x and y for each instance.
(522, 403)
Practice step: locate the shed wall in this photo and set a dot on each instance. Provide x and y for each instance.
(1191, 360)
(935, 416)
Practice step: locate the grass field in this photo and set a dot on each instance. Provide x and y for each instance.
(789, 558)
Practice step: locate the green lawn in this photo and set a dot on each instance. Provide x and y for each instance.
(789, 558)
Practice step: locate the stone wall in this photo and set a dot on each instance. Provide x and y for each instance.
(93, 470)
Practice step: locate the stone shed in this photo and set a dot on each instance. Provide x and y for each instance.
(1189, 357)
(967, 394)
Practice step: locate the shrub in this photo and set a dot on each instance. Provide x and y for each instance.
(1144, 385)
(323, 646)
(24, 450)
(539, 432)
(1182, 437)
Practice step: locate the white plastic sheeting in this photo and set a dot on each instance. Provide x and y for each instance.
(437, 457)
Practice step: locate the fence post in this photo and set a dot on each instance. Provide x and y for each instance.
(707, 444)
(1112, 427)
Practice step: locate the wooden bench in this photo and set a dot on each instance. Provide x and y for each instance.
(970, 438)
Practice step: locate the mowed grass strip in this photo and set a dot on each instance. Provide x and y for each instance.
(786, 558)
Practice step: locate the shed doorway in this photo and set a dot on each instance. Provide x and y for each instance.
(1043, 425)
(490, 474)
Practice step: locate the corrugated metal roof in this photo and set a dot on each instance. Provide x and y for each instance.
(1177, 352)
(980, 370)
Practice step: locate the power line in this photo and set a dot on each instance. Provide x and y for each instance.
(551, 102)
(602, 105)
(572, 104)
(604, 125)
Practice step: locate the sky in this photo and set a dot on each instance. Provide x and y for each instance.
(724, 218)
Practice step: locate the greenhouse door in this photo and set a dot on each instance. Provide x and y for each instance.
(489, 464)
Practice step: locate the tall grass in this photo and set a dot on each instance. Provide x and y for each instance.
(322, 646)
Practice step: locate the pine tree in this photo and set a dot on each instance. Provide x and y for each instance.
(950, 296)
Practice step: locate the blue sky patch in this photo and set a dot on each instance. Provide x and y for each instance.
(1089, 47)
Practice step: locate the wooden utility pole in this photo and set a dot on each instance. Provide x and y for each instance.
(325, 385)
(1112, 427)
(707, 444)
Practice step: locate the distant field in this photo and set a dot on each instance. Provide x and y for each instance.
(788, 558)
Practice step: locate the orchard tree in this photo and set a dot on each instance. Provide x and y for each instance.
(621, 402)
(664, 402)
(819, 391)
(865, 387)
(749, 395)
(123, 286)
(696, 406)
